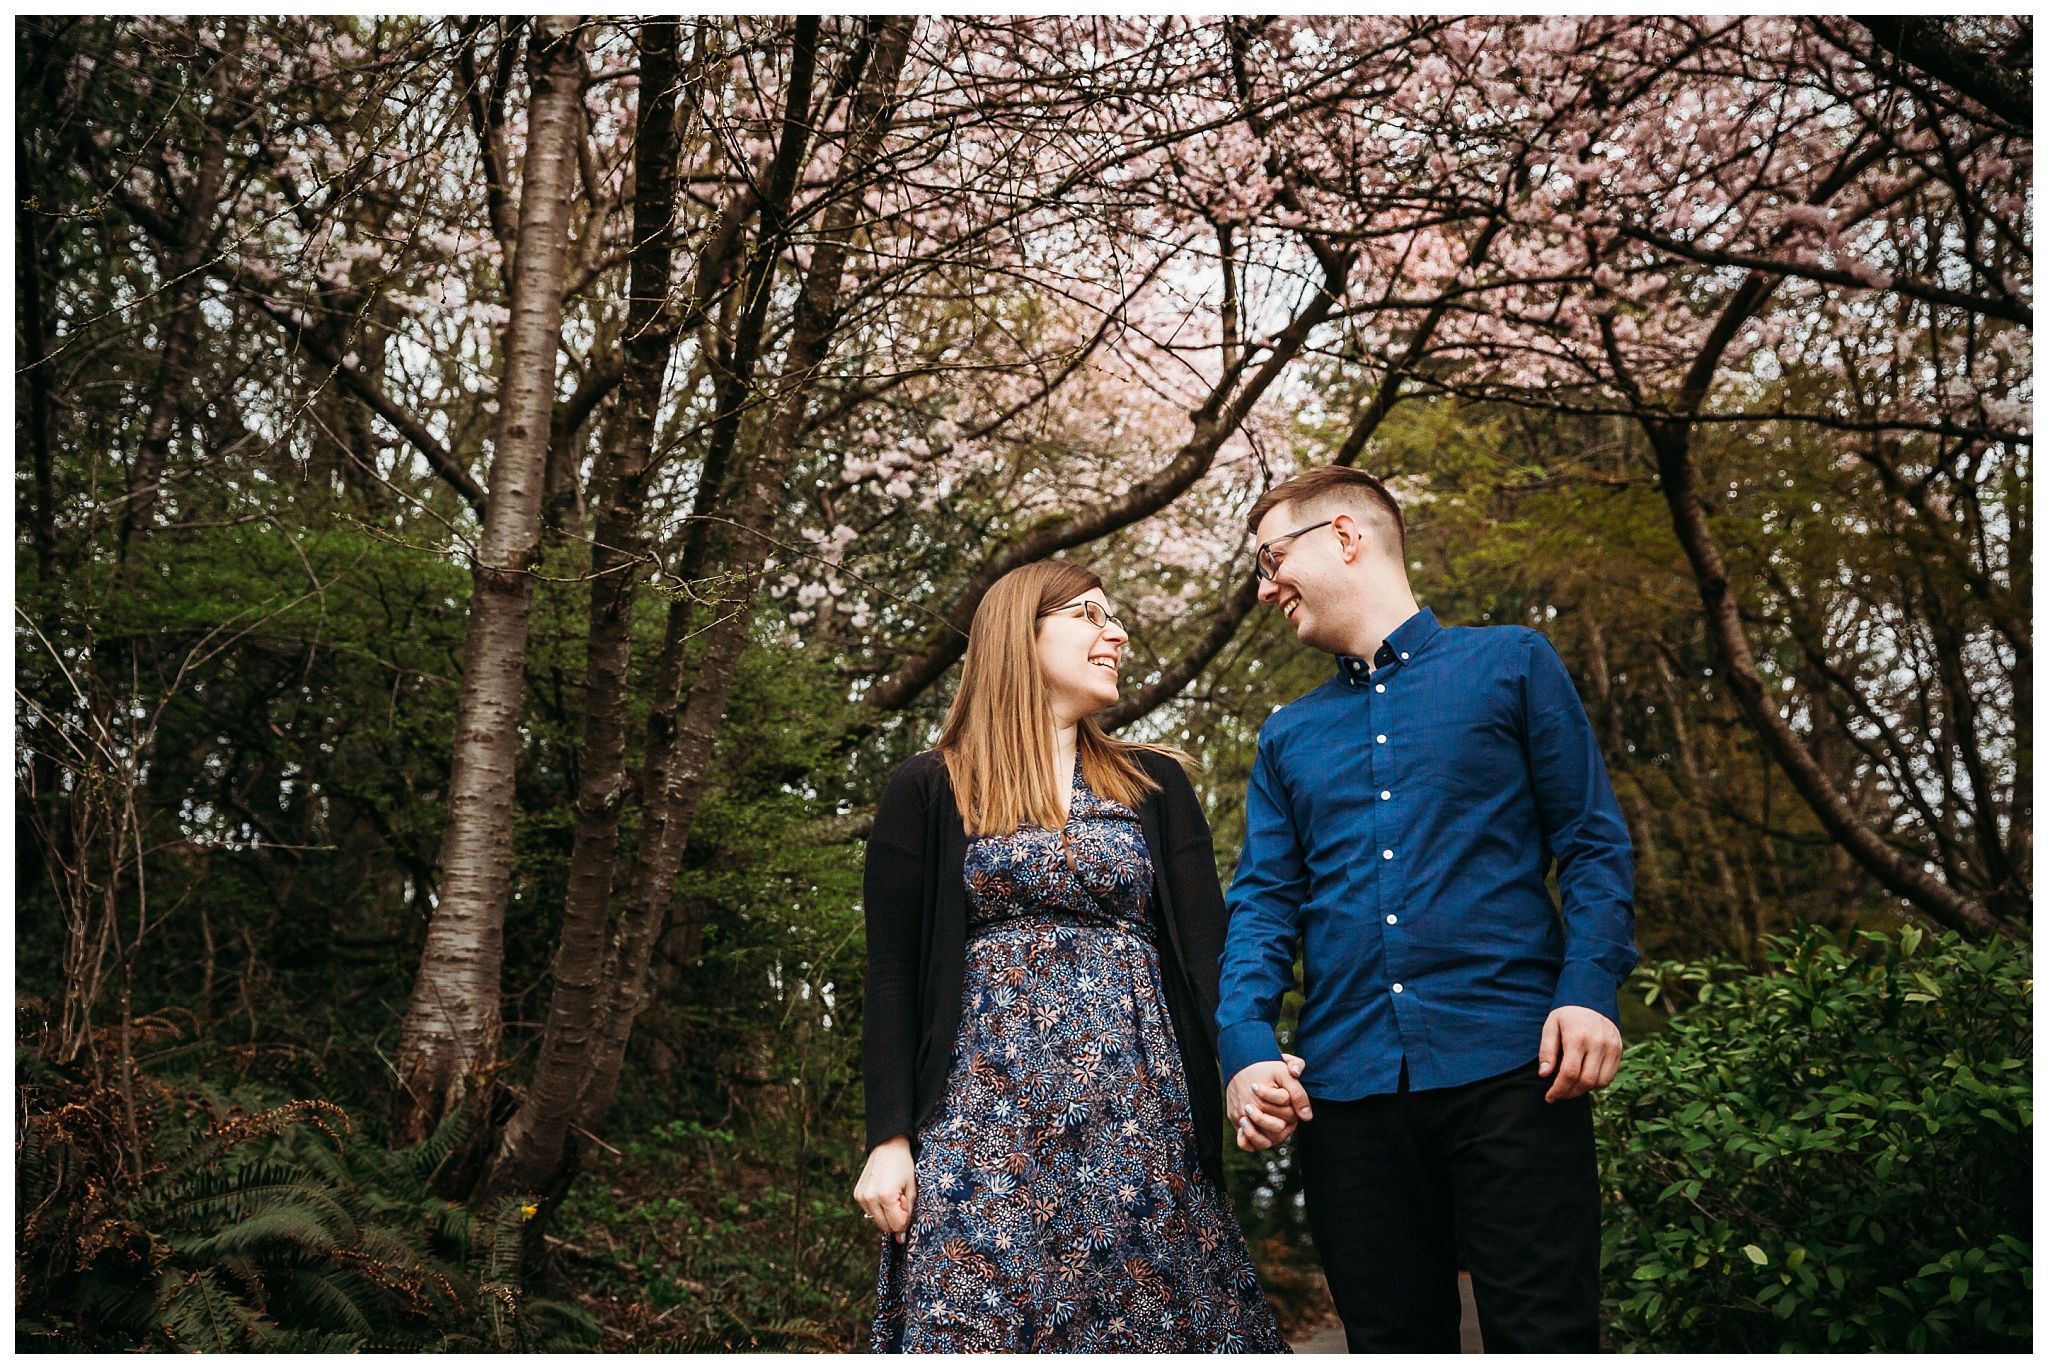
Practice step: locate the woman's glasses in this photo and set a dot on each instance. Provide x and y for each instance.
(1092, 611)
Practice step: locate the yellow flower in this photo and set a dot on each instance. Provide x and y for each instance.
(527, 1210)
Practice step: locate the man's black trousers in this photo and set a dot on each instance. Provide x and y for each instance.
(1401, 1185)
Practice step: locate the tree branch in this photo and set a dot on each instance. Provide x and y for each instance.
(487, 117)
(2009, 310)
(1221, 415)
(1176, 677)
(1925, 42)
(1223, 627)
(444, 464)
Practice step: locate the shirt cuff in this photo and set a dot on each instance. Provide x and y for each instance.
(1245, 1043)
(1581, 984)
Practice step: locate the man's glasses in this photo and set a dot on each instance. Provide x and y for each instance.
(1268, 560)
(1092, 611)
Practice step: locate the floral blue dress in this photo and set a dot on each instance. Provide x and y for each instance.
(1059, 1203)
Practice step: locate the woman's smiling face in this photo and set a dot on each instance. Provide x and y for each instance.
(1078, 659)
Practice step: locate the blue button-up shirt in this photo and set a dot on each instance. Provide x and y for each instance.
(1399, 826)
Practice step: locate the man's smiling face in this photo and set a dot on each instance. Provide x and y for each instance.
(1309, 578)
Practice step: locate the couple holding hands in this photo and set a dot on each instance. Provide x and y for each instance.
(1058, 989)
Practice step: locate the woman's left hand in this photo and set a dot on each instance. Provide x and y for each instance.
(888, 1186)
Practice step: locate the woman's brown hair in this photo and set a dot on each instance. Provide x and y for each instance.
(998, 739)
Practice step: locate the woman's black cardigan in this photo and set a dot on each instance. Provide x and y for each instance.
(916, 893)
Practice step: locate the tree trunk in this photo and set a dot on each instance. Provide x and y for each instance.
(28, 281)
(671, 806)
(1671, 441)
(2006, 891)
(533, 1144)
(451, 1025)
(730, 358)
(1737, 916)
(1641, 832)
(562, 501)
(734, 358)
(1670, 435)
(183, 275)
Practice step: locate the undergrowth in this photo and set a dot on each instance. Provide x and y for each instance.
(204, 1218)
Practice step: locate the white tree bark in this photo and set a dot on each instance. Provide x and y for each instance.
(452, 1024)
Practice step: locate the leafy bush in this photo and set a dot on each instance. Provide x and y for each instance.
(1834, 1155)
(218, 1222)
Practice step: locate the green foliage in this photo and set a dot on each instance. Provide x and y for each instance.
(721, 1215)
(728, 1238)
(1832, 1155)
(228, 1222)
(291, 809)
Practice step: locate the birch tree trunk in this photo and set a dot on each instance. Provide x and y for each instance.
(452, 1024)
(532, 1147)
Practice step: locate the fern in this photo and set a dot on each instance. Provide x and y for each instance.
(451, 1132)
(255, 1226)
(200, 1314)
(327, 1298)
(314, 1343)
(277, 1200)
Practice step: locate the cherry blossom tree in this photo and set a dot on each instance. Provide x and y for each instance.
(1722, 204)
(791, 335)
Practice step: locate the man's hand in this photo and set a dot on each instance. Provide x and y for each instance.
(1582, 1048)
(1265, 1103)
(888, 1186)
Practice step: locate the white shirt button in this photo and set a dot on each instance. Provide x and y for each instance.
(1386, 793)
(1386, 855)
(1397, 988)
(1383, 738)
(1404, 655)
(1391, 919)
(1379, 689)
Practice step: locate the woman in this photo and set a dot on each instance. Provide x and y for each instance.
(1044, 1117)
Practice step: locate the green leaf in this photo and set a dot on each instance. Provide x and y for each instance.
(1809, 1101)
(203, 1316)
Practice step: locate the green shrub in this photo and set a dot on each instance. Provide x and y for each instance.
(1833, 1155)
(225, 1221)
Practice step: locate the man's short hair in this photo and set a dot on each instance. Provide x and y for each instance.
(1324, 486)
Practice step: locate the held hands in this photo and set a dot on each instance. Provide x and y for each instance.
(1265, 1103)
(1582, 1048)
(888, 1186)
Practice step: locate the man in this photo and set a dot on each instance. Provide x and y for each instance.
(1400, 824)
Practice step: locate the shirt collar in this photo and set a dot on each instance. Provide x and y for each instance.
(1402, 644)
